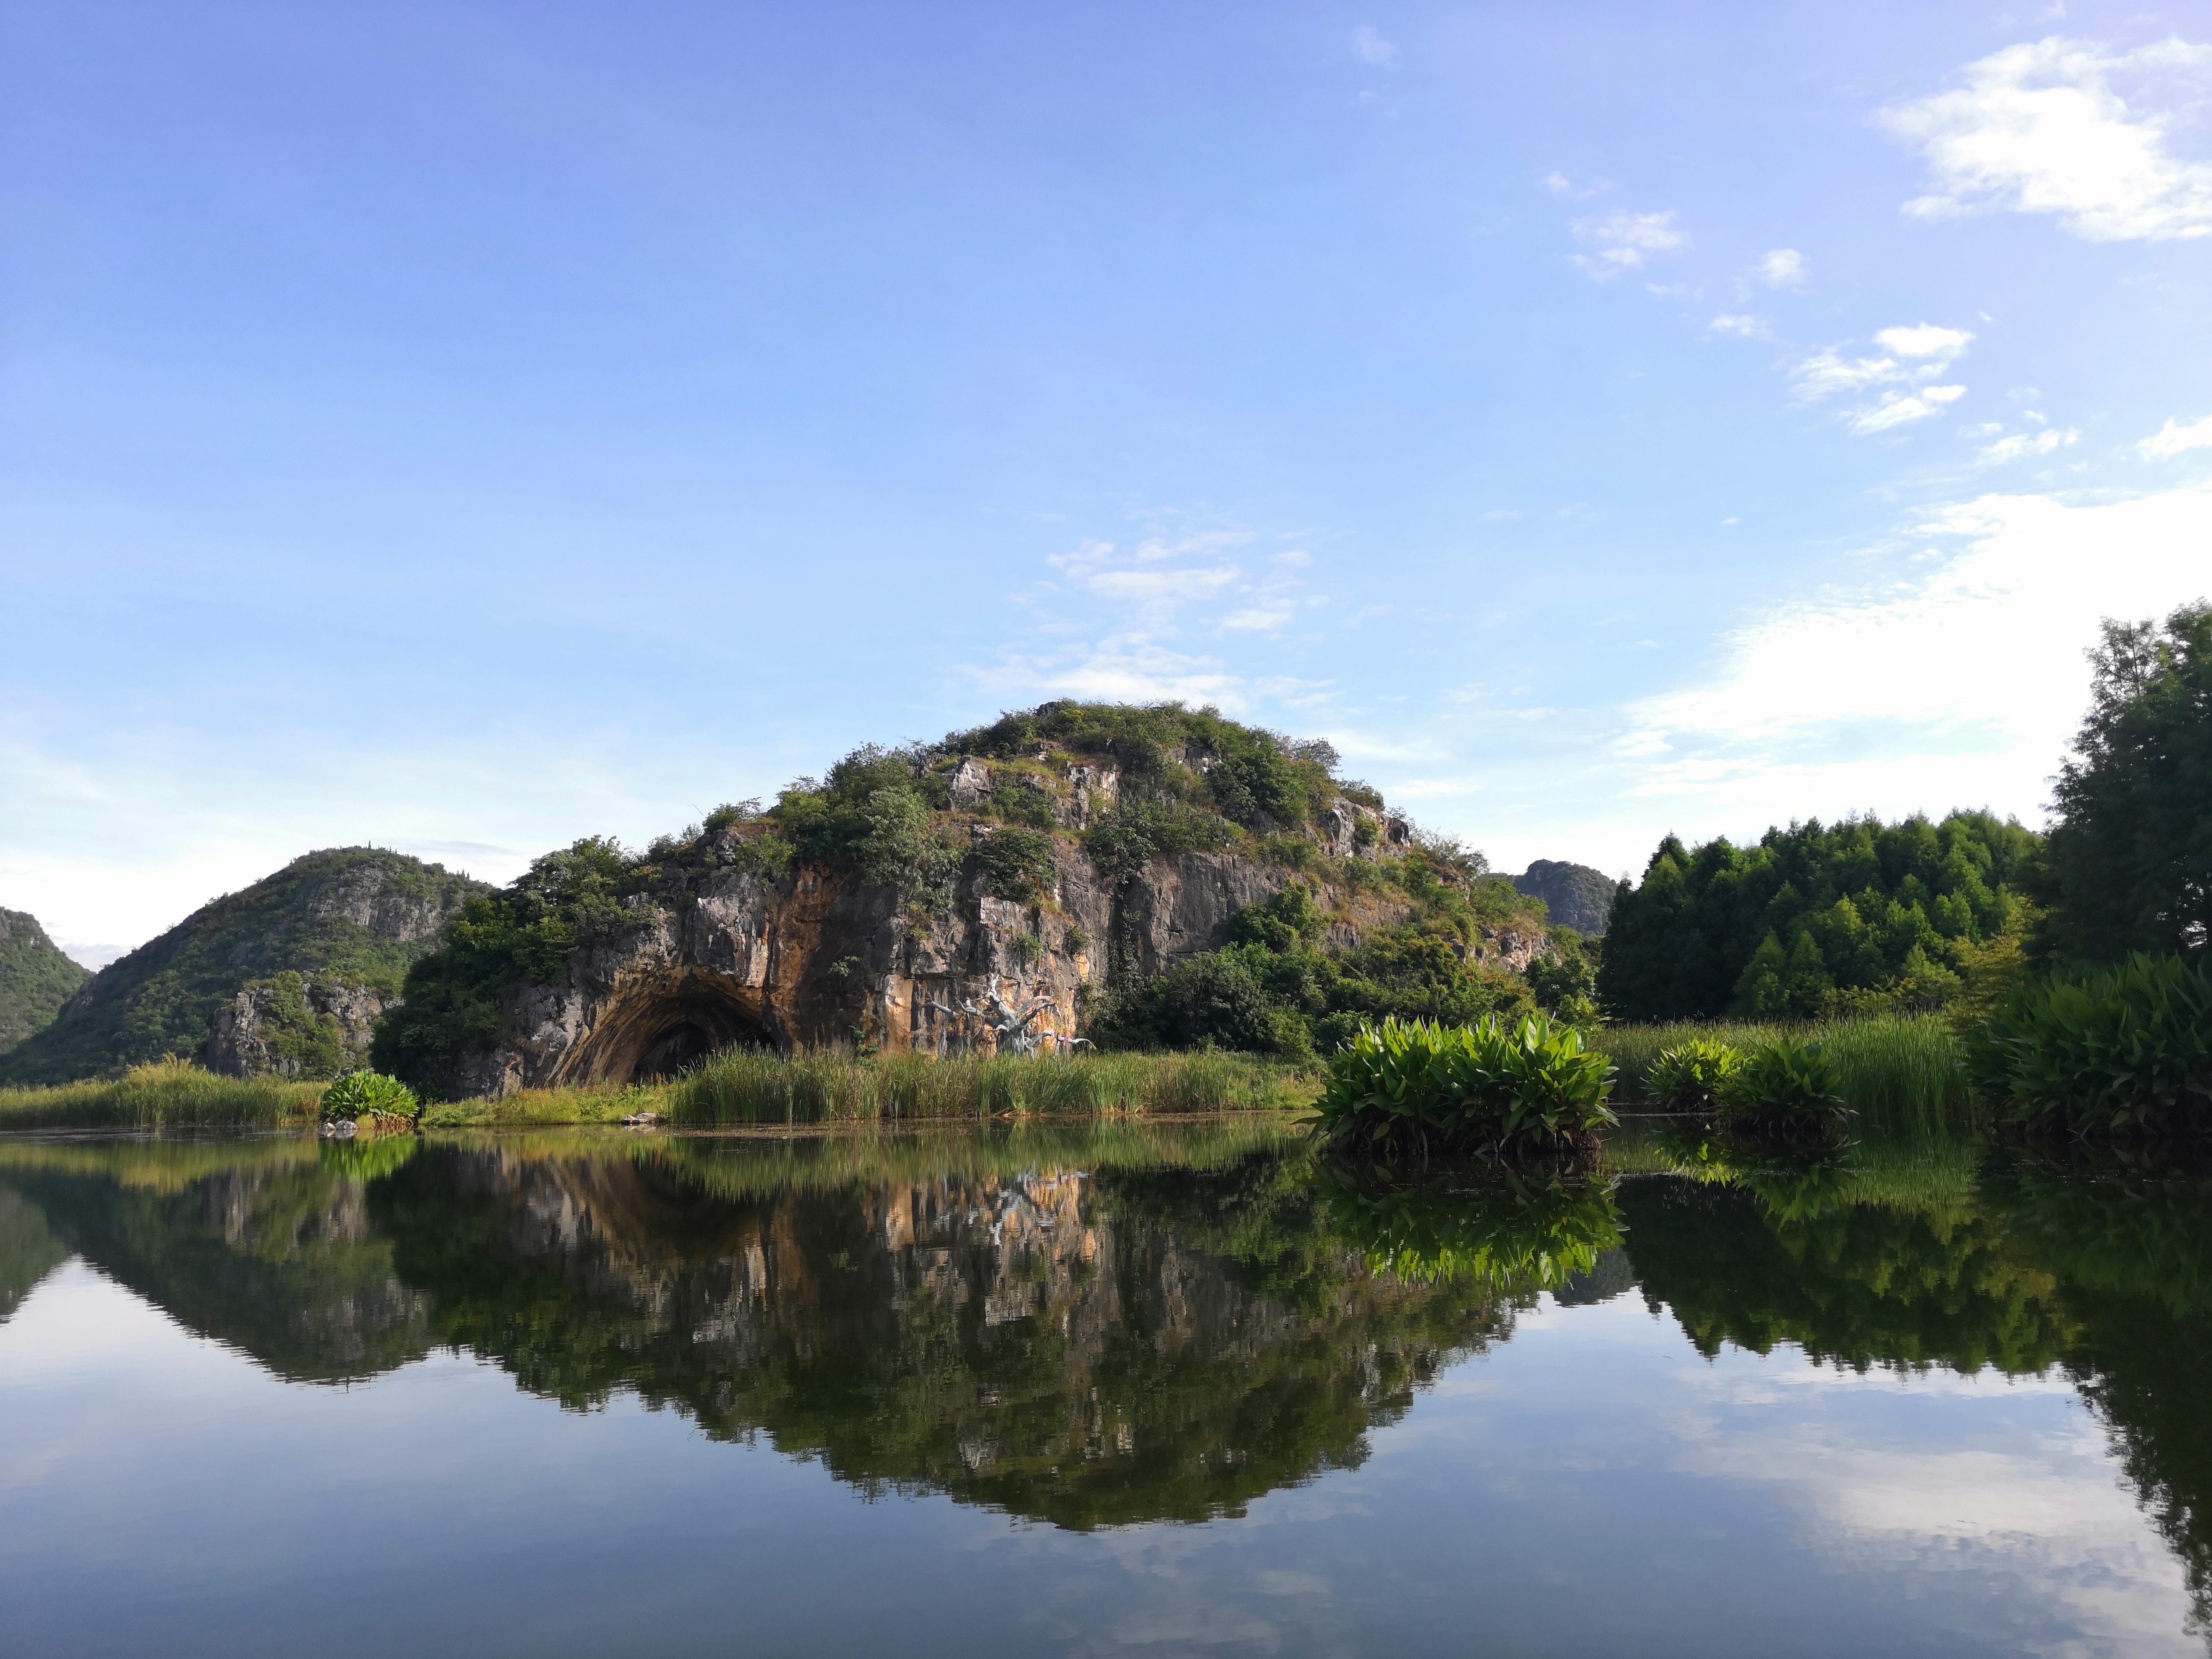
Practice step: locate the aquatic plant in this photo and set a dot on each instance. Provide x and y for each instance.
(1783, 1086)
(2129, 1049)
(1412, 1085)
(360, 1094)
(1690, 1076)
(1908, 1070)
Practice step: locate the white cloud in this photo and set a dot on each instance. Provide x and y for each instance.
(1924, 340)
(1370, 48)
(1825, 373)
(1558, 183)
(1783, 267)
(2021, 445)
(2037, 128)
(1263, 620)
(1161, 574)
(2172, 439)
(1624, 240)
(1961, 688)
(1740, 328)
(1902, 407)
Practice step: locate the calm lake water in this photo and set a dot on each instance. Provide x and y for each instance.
(1165, 1389)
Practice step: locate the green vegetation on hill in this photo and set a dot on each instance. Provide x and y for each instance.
(35, 977)
(1576, 896)
(1815, 919)
(356, 914)
(1277, 988)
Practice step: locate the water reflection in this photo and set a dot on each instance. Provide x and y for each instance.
(1097, 1328)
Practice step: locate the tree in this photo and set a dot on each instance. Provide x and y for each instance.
(2128, 865)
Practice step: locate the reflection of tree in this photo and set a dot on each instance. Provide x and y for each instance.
(1861, 1285)
(1144, 1345)
(264, 1245)
(2135, 1250)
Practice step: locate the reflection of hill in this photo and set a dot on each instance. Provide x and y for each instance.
(1086, 1349)
(28, 1250)
(264, 1245)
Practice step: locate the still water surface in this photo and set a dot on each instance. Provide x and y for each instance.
(1158, 1389)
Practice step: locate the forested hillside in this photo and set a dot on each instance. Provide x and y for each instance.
(1812, 914)
(35, 977)
(355, 915)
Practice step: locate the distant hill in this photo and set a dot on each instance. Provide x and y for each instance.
(351, 918)
(1576, 896)
(35, 978)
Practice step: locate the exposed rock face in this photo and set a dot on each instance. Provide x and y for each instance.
(1578, 895)
(309, 1027)
(726, 956)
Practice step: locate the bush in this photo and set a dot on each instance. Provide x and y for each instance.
(368, 1094)
(1530, 1087)
(1781, 1085)
(1017, 865)
(2128, 1049)
(1690, 1077)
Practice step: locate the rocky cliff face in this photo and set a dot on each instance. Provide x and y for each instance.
(722, 956)
(295, 1025)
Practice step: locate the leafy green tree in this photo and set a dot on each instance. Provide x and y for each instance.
(2128, 863)
(1812, 914)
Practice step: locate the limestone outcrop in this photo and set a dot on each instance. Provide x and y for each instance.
(295, 1025)
(720, 954)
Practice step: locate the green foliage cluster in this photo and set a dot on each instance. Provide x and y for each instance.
(1276, 988)
(454, 999)
(1167, 752)
(1136, 831)
(2128, 865)
(1017, 864)
(358, 1095)
(1528, 1086)
(1690, 1076)
(304, 1040)
(162, 997)
(1814, 920)
(1783, 1084)
(35, 977)
(2125, 1049)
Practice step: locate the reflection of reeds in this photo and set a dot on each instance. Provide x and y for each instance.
(165, 1093)
(1900, 1069)
(748, 1086)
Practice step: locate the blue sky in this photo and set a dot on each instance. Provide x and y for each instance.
(465, 427)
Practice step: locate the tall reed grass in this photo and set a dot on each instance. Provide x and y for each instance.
(747, 1086)
(1900, 1068)
(162, 1094)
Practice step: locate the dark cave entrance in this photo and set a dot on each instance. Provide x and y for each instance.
(662, 1033)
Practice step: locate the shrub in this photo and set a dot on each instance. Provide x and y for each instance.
(1017, 865)
(368, 1094)
(1490, 1086)
(1781, 1085)
(2127, 1049)
(1691, 1076)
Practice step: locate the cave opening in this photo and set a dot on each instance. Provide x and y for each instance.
(657, 1035)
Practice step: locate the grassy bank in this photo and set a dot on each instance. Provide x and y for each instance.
(741, 1086)
(163, 1094)
(1900, 1068)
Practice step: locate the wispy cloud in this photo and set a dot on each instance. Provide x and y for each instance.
(1740, 328)
(2172, 439)
(1625, 241)
(1911, 353)
(1902, 407)
(1368, 47)
(2037, 128)
(1783, 267)
(2021, 446)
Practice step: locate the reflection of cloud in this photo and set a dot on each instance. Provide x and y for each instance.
(2038, 129)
